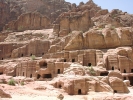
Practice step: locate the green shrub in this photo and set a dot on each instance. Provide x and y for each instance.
(33, 57)
(22, 83)
(8, 29)
(113, 27)
(20, 28)
(11, 82)
(92, 71)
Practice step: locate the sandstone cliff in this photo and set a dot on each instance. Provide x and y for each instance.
(28, 21)
(4, 13)
(96, 40)
(11, 10)
(85, 16)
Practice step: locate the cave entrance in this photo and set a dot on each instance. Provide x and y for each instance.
(23, 73)
(60, 86)
(79, 91)
(124, 71)
(2, 58)
(73, 60)
(31, 54)
(43, 53)
(104, 73)
(89, 64)
(58, 71)
(22, 55)
(124, 78)
(112, 67)
(131, 70)
(43, 65)
(30, 75)
(64, 60)
(38, 76)
(115, 91)
(131, 80)
(1, 73)
(47, 76)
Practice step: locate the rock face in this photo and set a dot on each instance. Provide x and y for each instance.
(86, 16)
(81, 85)
(76, 41)
(6, 49)
(116, 18)
(79, 18)
(118, 85)
(4, 94)
(4, 13)
(48, 69)
(105, 38)
(26, 68)
(82, 52)
(11, 10)
(28, 21)
(35, 47)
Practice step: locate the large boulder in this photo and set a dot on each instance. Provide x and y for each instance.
(3, 94)
(115, 74)
(118, 85)
(103, 87)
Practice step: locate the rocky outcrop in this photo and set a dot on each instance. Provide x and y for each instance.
(28, 21)
(116, 18)
(7, 48)
(81, 56)
(82, 85)
(118, 85)
(78, 18)
(76, 41)
(100, 39)
(114, 59)
(34, 47)
(115, 74)
(88, 15)
(3, 94)
(4, 13)
(79, 22)
(11, 10)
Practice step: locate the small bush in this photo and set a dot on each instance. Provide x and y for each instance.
(11, 82)
(92, 71)
(20, 28)
(33, 57)
(22, 83)
(113, 27)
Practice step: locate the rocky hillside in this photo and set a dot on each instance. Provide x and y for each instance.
(88, 15)
(85, 40)
(4, 13)
(11, 9)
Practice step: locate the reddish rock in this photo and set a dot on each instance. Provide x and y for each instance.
(28, 21)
